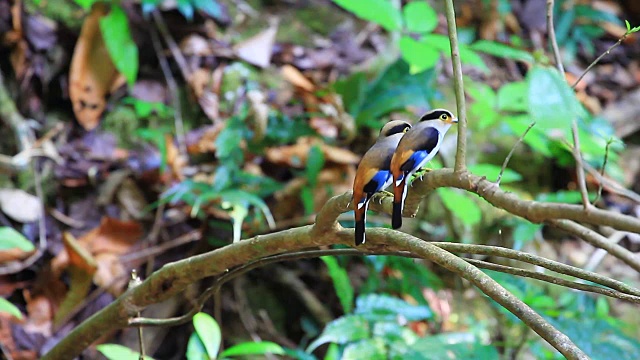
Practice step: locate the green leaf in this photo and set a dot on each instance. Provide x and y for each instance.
(352, 90)
(86, 4)
(454, 346)
(523, 232)
(342, 330)
(378, 307)
(502, 50)
(211, 7)
(513, 96)
(195, 348)
(483, 106)
(420, 56)
(561, 196)
(209, 332)
(333, 353)
(420, 17)
(340, 282)
(11, 239)
(381, 12)
(254, 348)
(461, 206)
(239, 197)
(491, 172)
(367, 349)
(229, 139)
(467, 55)
(119, 352)
(315, 163)
(7, 307)
(552, 103)
(117, 38)
(396, 89)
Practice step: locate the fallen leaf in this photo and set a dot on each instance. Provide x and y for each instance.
(92, 74)
(257, 49)
(29, 208)
(112, 236)
(295, 77)
(296, 155)
(40, 314)
(111, 274)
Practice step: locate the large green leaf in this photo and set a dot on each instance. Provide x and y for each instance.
(420, 56)
(122, 49)
(420, 17)
(468, 56)
(341, 282)
(552, 103)
(461, 205)
(378, 307)
(381, 12)
(253, 348)
(9, 308)
(195, 348)
(315, 163)
(11, 239)
(352, 89)
(502, 50)
(395, 89)
(342, 330)
(209, 332)
(514, 96)
(119, 352)
(367, 349)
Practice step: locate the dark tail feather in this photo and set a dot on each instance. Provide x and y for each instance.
(396, 215)
(361, 219)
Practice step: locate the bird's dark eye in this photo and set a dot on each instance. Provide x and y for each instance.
(444, 117)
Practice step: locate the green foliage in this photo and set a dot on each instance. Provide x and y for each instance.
(420, 17)
(461, 205)
(120, 45)
(552, 103)
(452, 346)
(381, 12)
(342, 330)
(501, 50)
(253, 348)
(8, 308)
(378, 307)
(491, 172)
(119, 352)
(394, 89)
(11, 239)
(208, 332)
(341, 282)
(188, 7)
(315, 163)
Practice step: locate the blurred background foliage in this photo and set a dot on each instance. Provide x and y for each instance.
(201, 133)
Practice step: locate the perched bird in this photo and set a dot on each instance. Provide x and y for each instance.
(373, 173)
(416, 148)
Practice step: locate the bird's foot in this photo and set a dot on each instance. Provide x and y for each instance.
(420, 173)
(384, 194)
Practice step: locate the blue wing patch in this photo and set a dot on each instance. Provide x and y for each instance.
(414, 160)
(378, 182)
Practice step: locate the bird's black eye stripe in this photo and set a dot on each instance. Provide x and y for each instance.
(434, 115)
(398, 129)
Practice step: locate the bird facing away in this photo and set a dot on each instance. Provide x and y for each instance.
(373, 173)
(416, 148)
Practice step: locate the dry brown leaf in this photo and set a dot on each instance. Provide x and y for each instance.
(112, 236)
(257, 49)
(111, 274)
(92, 74)
(15, 254)
(295, 77)
(78, 255)
(40, 314)
(8, 342)
(296, 155)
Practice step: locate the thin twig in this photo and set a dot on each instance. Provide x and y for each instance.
(604, 165)
(552, 37)
(554, 280)
(513, 149)
(599, 254)
(461, 152)
(599, 58)
(171, 82)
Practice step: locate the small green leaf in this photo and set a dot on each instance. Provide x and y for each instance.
(253, 348)
(501, 50)
(315, 163)
(523, 232)
(342, 330)
(229, 139)
(11, 239)
(561, 196)
(119, 352)
(209, 332)
(86, 4)
(381, 12)
(513, 96)
(420, 17)
(552, 103)
(420, 56)
(195, 348)
(211, 7)
(117, 38)
(333, 353)
(7, 307)
(367, 349)
(340, 282)
(461, 206)
(491, 172)
(626, 22)
(378, 307)
(239, 196)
